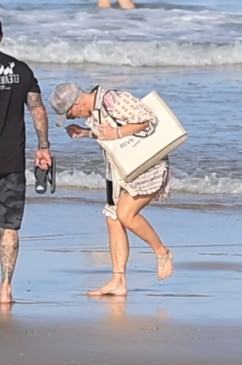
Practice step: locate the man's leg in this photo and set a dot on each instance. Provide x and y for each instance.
(128, 215)
(9, 246)
(119, 249)
(12, 201)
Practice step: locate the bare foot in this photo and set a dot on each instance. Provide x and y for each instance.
(165, 265)
(6, 294)
(116, 286)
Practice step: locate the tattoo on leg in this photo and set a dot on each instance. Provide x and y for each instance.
(9, 246)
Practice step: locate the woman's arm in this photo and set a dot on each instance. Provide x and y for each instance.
(132, 115)
(109, 133)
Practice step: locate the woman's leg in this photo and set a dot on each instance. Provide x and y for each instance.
(104, 3)
(128, 215)
(126, 4)
(119, 249)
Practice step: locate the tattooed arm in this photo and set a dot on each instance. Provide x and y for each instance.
(40, 120)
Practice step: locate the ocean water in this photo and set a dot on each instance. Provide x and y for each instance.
(189, 51)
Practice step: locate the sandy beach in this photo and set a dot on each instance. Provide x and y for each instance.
(192, 318)
(189, 52)
(116, 342)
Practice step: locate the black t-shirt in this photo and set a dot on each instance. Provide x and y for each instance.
(16, 81)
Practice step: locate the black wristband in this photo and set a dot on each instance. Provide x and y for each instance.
(44, 146)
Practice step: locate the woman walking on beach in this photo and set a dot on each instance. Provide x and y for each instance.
(124, 200)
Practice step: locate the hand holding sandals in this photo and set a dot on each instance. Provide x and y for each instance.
(43, 159)
(45, 177)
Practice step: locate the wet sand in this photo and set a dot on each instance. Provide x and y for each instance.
(192, 318)
(133, 340)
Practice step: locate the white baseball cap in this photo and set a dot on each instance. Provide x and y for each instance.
(62, 99)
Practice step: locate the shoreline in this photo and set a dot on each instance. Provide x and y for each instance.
(178, 201)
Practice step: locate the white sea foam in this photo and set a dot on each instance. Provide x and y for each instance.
(209, 184)
(164, 36)
(152, 54)
(75, 179)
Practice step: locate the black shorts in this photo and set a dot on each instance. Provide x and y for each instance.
(109, 192)
(12, 200)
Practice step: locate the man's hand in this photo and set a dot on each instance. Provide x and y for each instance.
(43, 159)
(75, 131)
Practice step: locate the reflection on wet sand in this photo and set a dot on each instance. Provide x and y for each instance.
(116, 305)
(117, 309)
(5, 312)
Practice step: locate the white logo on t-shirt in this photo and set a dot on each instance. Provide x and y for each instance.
(8, 70)
(7, 75)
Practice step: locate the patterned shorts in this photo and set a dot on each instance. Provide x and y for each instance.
(12, 200)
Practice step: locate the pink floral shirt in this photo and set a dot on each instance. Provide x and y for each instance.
(126, 109)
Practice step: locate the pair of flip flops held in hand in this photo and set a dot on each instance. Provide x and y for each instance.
(43, 178)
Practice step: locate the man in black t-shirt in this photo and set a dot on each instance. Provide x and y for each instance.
(18, 87)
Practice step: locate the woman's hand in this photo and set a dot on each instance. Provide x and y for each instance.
(75, 131)
(105, 131)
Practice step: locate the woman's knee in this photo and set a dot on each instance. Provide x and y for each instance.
(110, 222)
(124, 217)
(114, 226)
